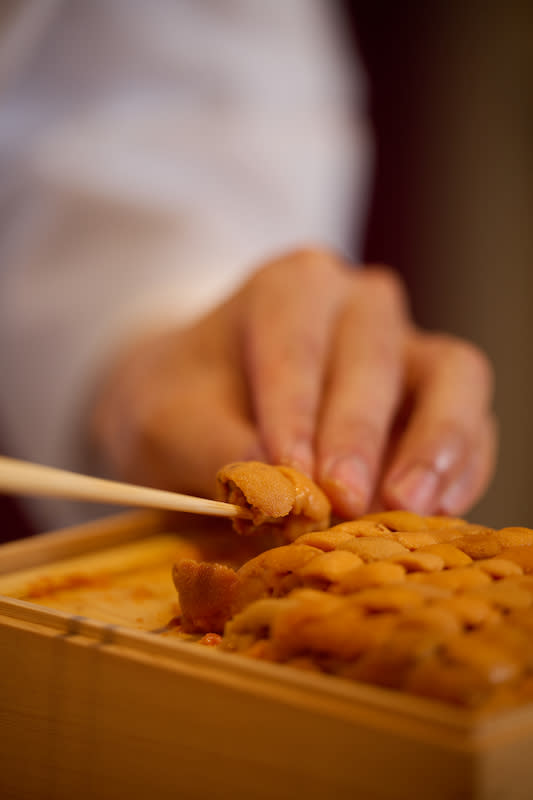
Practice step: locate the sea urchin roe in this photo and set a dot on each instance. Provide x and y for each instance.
(206, 594)
(393, 599)
(278, 497)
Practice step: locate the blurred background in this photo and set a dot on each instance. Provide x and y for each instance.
(451, 89)
(452, 105)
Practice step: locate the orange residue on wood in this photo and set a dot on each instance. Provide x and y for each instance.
(46, 586)
(140, 593)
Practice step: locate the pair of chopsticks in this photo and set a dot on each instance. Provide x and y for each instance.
(24, 478)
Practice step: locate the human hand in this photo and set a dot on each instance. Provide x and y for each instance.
(314, 365)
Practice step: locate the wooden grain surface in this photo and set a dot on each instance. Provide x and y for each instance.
(122, 582)
(99, 698)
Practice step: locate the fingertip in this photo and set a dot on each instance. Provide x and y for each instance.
(346, 481)
(461, 493)
(413, 490)
(345, 503)
(298, 456)
(457, 498)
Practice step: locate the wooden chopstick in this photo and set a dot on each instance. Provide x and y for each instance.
(25, 478)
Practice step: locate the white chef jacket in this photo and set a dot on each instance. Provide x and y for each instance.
(152, 154)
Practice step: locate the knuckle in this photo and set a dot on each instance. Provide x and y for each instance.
(387, 285)
(313, 257)
(479, 363)
(473, 358)
(316, 264)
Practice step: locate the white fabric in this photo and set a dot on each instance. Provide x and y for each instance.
(152, 154)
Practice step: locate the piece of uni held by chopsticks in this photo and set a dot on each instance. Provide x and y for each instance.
(277, 496)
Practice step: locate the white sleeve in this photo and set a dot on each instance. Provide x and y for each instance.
(152, 155)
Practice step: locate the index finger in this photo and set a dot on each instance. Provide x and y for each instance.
(290, 311)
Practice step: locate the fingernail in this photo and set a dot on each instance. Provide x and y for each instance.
(455, 496)
(351, 475)
(299, 456)
(416, 490)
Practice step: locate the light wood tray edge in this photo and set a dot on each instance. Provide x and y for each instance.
(380, 708)
(413, 716)
(75, 540)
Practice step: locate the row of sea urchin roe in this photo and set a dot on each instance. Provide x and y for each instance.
(429, 605)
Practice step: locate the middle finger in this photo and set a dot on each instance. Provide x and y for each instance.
(363, 390)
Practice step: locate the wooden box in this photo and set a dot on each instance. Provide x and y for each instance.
(99, 699)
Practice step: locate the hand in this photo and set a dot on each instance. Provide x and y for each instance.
(314, 365)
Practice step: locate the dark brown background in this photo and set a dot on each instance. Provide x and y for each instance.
(453, 203)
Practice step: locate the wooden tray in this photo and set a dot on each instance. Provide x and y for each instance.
(101, 698)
